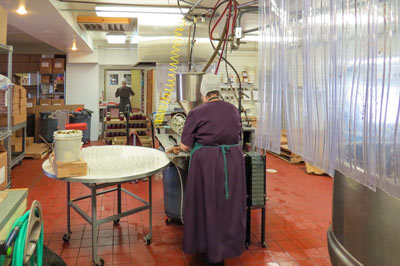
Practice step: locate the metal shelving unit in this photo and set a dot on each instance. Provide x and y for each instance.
(17, 157)
(52, 82)
(5, 133)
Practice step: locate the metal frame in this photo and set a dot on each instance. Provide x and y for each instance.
(95, 223)
(39, 86)
(17, 157)
(6, 133)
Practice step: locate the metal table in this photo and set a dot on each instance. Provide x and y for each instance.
(112, 166)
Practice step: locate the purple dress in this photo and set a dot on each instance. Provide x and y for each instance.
(213, 224)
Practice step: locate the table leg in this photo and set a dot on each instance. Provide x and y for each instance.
(248, 227)
(119, 202)
(263, 243)
(67, 235)
(148, 238)
(96, 260)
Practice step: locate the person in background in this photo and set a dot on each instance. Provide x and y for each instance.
(124, 93)
(215, 197)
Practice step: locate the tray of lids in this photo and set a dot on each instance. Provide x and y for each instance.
(67, 154)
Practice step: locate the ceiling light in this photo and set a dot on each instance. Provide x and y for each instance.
(21, 10)
(135, 39)
(74, 46)
(118, 38)
(125, 11)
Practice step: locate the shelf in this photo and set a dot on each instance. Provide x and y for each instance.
(54, 93)
(137, 121)
(19, 126)
(137, 129)
(17, 158)
(4, 134)
(115, 130)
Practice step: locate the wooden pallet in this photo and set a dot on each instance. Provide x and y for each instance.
(288, 156)
(37, 151)
(310, 169)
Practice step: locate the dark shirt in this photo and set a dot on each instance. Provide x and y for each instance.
(124, 92)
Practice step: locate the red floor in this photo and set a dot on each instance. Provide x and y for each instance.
(298, 214)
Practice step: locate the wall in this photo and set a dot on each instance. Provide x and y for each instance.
(83, 88)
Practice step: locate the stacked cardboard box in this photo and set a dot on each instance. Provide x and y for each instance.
(31, 105)
(16, 141)
(19, 102)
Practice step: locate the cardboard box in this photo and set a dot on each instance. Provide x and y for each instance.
(29, 141)
(46, 66)
(57, 101)
(16, 144)
(23, 102)
(58, 65)
(3, 27)
(45, 79)
(31, 105)
(22, 93)
(18, 119)
(45, 101)
(3, 170)
(69, 169)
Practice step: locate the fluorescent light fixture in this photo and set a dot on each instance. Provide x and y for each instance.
(22, 10)
(126, 11)
(74, 46)
(135, 39)
(116, 38)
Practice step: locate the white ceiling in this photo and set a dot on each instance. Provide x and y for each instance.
(53, 22)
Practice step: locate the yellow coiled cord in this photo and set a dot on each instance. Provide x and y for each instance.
(170, 85)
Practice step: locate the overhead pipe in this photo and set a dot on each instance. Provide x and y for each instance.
(248, 4)
(250, 30)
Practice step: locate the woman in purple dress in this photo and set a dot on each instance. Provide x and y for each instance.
(215, 197)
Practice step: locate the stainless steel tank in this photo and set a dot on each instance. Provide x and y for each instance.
(188, 90)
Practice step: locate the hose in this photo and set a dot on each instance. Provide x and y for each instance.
(170, 85)
(181, 180)
(19, 246)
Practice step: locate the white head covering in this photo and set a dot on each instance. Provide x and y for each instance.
(210, 82)
(123, 80)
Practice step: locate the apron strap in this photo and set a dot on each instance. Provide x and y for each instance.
(224, 149)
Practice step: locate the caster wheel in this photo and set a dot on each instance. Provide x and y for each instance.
(247, 245)
(116, 222)
(66, 237)
(264, 244)
(99, 262)
(147, 240)
(168, 221)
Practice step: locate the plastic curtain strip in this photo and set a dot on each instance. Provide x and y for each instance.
(337, 66)
(369, 91)
(268, 132)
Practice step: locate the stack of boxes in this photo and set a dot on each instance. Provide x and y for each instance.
(16, 141)
(19, 103)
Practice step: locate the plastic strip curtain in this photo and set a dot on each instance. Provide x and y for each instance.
(369, 86)
(271, 66)
(337, 64)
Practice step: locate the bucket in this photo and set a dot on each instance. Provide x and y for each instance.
(68, 145)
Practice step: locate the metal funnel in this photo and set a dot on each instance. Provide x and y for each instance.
(188, 90)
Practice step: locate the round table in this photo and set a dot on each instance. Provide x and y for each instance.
(112, 166)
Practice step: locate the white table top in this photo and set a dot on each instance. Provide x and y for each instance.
(109, 164)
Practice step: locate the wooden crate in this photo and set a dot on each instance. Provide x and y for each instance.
(37, 151)
(288, 156)
(310, 169)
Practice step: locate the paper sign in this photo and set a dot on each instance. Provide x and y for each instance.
(29, 104)
(58, 65)
(45, 64)
(2, 175)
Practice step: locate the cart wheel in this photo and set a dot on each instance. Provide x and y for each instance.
(168, 220)
(66, 237)
(116, 222)
(264, 244)
(147, 240)
(99, 262)
(247, 245)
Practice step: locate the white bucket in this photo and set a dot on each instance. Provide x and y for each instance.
(67, 145)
